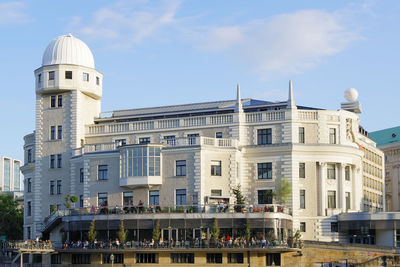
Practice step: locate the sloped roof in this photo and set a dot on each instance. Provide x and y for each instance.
(386, 136)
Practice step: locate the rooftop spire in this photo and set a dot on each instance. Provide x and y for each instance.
(238, 100)
(290, 101)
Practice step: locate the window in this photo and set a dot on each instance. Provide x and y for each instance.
(80, 258)
(53, 101)
(265, 196)
(301, 135)
(29, 208)
(302, 227)
(52, 161)
(51, 75)
(264, 170)
(302, 199)
(347, 173)
(81, 201)
(180, 196)
(52, 187)
(128, 198)
(215, 168)
(85, 77)
(181, 168)
(192, 139)
(154, 197)
(68, 75)
(29, 186)
(264, 136)
(97, 81)
(102, 172)
(56, 258)
(30, 156)
(144, 140)
(81, 175)
(302, 170)
(214, 257)
(120, 142)
(332, 136)
(334, 227)
(216, 192)
(331, 169)
(118, 258)
(58, 187)
(331, 199)
(235, 258)
(59, 132)
(170, 140)
(59, 101)
(348, 199)
(52, 132)
(59, 161)
(102, 199)
(28, 232)
(39, 79)
(141, 161)
(218, 135)
(273, 259)
(182, 257)
(146, 258)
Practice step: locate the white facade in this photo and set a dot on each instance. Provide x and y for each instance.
(10, 174)
(321, 153)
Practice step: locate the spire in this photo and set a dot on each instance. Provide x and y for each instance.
(238, 100)
(290, 102)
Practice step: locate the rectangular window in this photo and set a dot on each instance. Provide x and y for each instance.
(120, 142)
(331, 171)
(51, 75)
(52, 161)
(182, 257)
(97, 81)
(264, 136)
(53, 101)
(171, 140)
(214, 257)
(52, 187)
(144, 140)
(81, 201)
(301, 135)
(331, 199)
(102, 172)
(68, 75)
(302, 170)
(180, 196)
(85, 77)
(39, 79)
(332, 136)
(154, 197)
(216, 192)
(59, 101)
(265, 196)
(128, 198)
(146, 258)
(58, 187)
(29, 208)
(52, 132)
(59, 132)
(273, 259)
(347, 173)
(118, 258)
(235, 258)
(302, 199)
(348, 199)
(302, 227)
(218, 135)
(264, 170)
(102, 199)
(215, 168)
(80, 258)
(29, 187)
(56, 258)
(181, 168)
(192, 139)
(334, 227)
(59, 160)
(81, 175)
(30, 156)
(28, 232)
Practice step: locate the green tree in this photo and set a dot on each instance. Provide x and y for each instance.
(156, 231)
(247, 230)
(240, 199)
(215, 230)
(67, 203)
(122, 233)
(73, 199)
(282, 191)
(92, 234)
(11, 218)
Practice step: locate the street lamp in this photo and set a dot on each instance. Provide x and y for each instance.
(112, 260)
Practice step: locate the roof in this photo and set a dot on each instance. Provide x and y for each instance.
(386, 136)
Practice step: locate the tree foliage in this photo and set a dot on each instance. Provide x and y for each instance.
(11, 218)
(122, 233)
(240, 199)
(282, 191)
(215, 230)
(156, 231)
(247, 230)
(92, 234)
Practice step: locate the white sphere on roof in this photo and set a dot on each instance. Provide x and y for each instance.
(351, 94)
(67, 49)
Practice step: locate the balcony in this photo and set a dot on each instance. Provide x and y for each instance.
(200, 141)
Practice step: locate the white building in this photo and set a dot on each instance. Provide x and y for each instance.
(10, 174)
(193, 154)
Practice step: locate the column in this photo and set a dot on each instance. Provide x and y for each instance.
(357, 187)
(322, 186)
(395, 178)
(341, 187)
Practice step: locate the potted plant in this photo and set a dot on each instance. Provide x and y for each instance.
(122, 233)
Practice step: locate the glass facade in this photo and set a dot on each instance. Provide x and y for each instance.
(7, 175)
(17, 176)
(141, 161)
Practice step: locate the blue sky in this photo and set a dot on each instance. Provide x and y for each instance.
(155, 53)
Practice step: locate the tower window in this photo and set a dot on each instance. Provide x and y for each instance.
(51, 75)
(97, 81)
(39, 79)
(301, 135)
(68, 75)
(86, 77)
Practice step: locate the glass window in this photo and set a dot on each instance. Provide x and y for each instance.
(192, 138)
(180, 196)
(80, 258)
(102, 172)
(154, 197)
(265, 196)
(56, 258)
(102, 199)
(68, 75)
(29, 208)
(347, 173)
(118, 258)
(170, 140)
(53, 101)
(301, 135)
(302, 170)
(331, 171)
(52, 161)
(235, 258)
(273, 259)
(331, 199)
(85, 77)
(302, 199)
(52, 132)
(128, 198)
(264, 136)
(30, 156)
(182, 257)
(141, 161)
(264, 170)
(81, 175)
(146, 258)
(332, 136)
(120, 142)
(181, 168)
(214, 257)
(29, 187)
(81, 201)
(59, 160)
(348, 199)
(39, 79)
(334, 227)
(52, 187)
(59, 132)
(97, 81)
(218, 135)
(216, 192)
(58, 187)
(215, 168)
(302, 227)
(144, 140)
(59, 102)
(51, 75)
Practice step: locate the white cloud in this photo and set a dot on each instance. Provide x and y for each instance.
(13, 13)
(282, 44)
